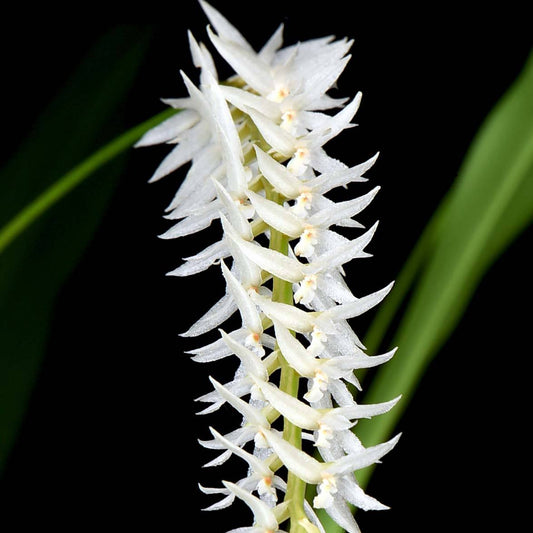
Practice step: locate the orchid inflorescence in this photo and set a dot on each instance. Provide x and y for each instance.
(256, 146)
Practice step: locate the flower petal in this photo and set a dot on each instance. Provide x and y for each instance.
(255, 367)
(338, 256)
(365, 458)
(246, 63)
(359, 306)
(263, 515)
(341, 210)
(243, 100)
(299, 413)
(170, 128)
(251, 414)
(267, 53)
(272, 261)
(196, 139)
(235, 215)
(201, 57)
(367, 411)
(342, 177)
(254, 462)
(224, 28)
(294, 352)
(278, 138)
(218, 314)
(276, 215)
(354, 494)
(297, 461)
(289, 316)
(277, 174)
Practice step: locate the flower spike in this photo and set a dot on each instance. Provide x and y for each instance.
(254, 145)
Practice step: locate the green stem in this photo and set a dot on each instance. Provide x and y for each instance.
(289, 380)
(74, 177)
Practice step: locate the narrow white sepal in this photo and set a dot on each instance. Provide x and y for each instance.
(223, 26)
(222, 116)
(244, 100)
(277, 174)
(290, 316)
(220, 312)
(268, 52)
(253, 461)
(294, 352)
(338, 256)
(297, 461)
(249, 272)
(169, 129)
(254, 366)
(343, 515)
(272, 261)
(341, 178)
(183, 152)
(245, 62)
(359, 306)
(235, 215)
(336, 124)
(277, 216)
(341, 210)
(201, 58)
(247, 308)
(367, 410)
(369, 456)
(264, 517)
(251, 414)
(366, 361)
(354, 494)
(290, 407)
(280, 140)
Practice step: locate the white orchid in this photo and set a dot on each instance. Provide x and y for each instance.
(258, 167)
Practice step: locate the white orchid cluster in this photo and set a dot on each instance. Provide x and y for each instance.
(256, 146)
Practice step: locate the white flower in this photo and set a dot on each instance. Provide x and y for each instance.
(321, 371)
(324, 421)
(326, 475)
(266, 519)
(258, 169)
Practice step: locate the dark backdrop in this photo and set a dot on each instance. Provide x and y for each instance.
(110, 435)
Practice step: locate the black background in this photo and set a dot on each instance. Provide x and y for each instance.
(110, 435)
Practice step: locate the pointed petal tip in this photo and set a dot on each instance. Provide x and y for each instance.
(215, 383)
(175, 273)
(191, 37)
(165, 236)
(140, 143)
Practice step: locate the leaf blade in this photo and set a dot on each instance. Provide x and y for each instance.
(470, 240)
(34, 267)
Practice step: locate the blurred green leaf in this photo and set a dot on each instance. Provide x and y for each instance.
(82, 117)
(27, 216)
(489, 205)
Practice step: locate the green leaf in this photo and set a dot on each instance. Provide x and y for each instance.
(489, 205)
(32, 269)
(73, 178)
